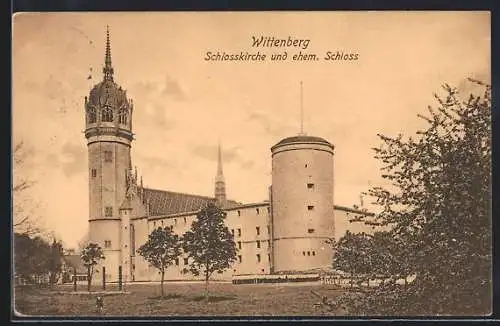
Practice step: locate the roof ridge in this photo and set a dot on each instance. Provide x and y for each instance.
(179, 193)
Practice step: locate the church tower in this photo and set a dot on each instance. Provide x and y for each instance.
(108, 130)
(220, 183)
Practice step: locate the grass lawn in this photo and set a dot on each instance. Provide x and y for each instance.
(182, 299)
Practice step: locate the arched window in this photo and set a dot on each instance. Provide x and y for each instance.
(107, 114)
(122, 116)
(91, 115)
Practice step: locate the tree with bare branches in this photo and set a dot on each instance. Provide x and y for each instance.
(24, 222)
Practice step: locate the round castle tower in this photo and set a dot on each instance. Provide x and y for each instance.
(109, 136)
(302, 203)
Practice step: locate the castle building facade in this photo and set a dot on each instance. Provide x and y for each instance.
(284, 234)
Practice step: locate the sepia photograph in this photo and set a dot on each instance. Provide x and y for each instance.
(251, 164)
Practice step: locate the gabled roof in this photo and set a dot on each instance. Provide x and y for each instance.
(163, 202)
(74, 261)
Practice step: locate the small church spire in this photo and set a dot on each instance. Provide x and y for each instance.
(108, 68)
(220, 184)
(220, 174)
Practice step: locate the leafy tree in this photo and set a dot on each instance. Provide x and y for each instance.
(367, 257)
(352, 254)
(388, 257)
(209, 244)
(35, 259)
(161, 250)
(55, 261)
(438, 211)
(27, 257)
(91, 255)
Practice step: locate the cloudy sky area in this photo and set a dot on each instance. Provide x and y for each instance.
(184, 105)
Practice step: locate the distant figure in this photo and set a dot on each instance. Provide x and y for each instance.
(99, 304)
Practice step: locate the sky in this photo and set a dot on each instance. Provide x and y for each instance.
(184, 105)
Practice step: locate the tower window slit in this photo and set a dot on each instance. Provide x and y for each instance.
(108, 211)
(108, 156)
(94, 173)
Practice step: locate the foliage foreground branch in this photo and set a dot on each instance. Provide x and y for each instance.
(438, 210)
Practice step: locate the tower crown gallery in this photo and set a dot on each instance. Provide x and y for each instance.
(286, 233)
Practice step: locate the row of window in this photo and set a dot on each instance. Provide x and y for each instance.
(107, 115)
(107, 243)
(257, 231)
(171, 226)
(240, 259)
(258, 244)
(309, 207)
(258, 257)
(257, 210)
(308, 253)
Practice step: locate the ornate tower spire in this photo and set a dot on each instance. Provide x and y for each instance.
(220, 184)
(108, 68)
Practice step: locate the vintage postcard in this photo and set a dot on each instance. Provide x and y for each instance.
(257, 164)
